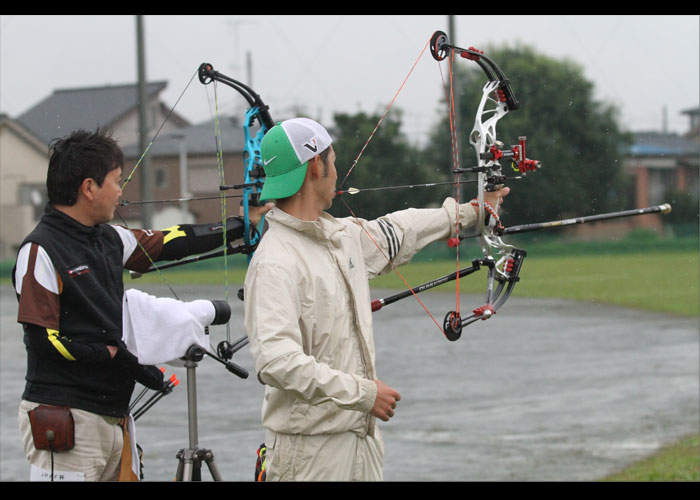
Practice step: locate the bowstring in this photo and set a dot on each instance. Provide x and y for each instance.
(455, 160)
(222, 182)
(454, 143)
(148, 147)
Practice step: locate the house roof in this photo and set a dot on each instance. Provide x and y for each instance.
(199, 140)
(661, 144)
(70, 109)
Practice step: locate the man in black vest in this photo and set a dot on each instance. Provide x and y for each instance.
(68, 279)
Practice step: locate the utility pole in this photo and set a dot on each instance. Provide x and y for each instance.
(146, 173)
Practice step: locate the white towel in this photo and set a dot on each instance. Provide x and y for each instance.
(160, 330)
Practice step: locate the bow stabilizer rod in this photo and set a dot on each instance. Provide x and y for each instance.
(664, 208)
(525, 228)
(229, 250)
(379, 303)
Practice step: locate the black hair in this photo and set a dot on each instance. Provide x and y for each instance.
(79, 156)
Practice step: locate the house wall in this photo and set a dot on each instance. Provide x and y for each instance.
(202, 180)
(23, 170)
(653, 177)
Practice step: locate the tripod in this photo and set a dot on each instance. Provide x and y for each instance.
(190, 459)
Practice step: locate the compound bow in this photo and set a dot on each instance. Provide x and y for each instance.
(251, 187)
(504, 261)
(254, 174)
(497, 100)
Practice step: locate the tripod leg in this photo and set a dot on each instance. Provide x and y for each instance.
(186, 466)
(213, 469)
(180, 467)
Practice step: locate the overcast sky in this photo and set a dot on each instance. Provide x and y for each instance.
(323, 64)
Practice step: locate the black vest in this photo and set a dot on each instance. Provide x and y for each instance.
(89, 263)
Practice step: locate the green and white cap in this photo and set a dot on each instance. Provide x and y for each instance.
(286, 150)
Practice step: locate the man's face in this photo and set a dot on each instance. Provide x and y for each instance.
(107, 196)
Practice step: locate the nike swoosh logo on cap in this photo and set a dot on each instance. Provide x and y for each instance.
(268, 161)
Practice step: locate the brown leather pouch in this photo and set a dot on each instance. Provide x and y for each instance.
(52, 428)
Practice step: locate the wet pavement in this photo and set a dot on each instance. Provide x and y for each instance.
(547, 390)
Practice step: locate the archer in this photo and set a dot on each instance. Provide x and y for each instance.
(68, 280)
(308, 315)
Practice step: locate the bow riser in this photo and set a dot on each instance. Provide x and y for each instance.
(483, 135)
(254, 175)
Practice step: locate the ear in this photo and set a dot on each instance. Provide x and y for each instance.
(315, 168)
(87, 189)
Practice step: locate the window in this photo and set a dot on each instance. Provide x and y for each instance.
(33, 194)
(160, 179)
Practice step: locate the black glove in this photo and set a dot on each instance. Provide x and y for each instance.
(148, 375)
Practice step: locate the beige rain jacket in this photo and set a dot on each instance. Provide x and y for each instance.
(308, 315)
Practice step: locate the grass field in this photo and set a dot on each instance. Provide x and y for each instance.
(655, 281)
(675, 462)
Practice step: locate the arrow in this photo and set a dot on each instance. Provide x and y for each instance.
(353, 190)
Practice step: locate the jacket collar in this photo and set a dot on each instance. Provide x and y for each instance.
(322, 229)
(68, 224)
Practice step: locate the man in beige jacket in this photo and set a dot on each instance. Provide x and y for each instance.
(308, 315)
